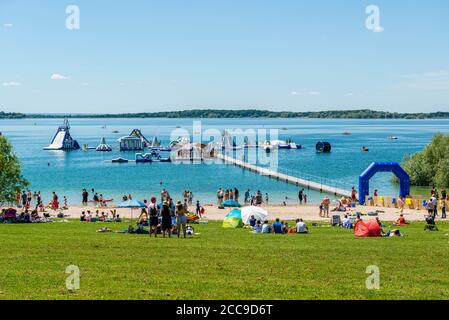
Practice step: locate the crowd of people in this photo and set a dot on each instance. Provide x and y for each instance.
(277, 227)
(167, 218)
(28, 200)
(25, 216)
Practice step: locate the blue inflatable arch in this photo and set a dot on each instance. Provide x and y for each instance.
(376, 167)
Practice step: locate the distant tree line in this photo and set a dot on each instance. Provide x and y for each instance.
(212, 113)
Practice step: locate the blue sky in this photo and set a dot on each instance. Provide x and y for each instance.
(133, 56)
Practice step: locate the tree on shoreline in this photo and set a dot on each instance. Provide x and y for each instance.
(11, 179)
(430, 167)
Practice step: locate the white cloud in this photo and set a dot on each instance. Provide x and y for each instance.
(349, 94)
(8, 25)
(56, 76)
(11, 84)
(314, 93)
(85, 84)
(294, 93)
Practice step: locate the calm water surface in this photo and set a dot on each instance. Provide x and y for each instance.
(70, 171)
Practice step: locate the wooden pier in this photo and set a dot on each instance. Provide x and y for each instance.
(284, 177)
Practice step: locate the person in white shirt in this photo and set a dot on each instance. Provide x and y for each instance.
(301, 227)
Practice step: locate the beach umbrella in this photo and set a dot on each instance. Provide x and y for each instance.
(132, 204)
(257, 212)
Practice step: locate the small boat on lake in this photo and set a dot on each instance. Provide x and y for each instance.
(120, 160)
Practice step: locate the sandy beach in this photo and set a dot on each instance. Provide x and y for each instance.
(289, 212)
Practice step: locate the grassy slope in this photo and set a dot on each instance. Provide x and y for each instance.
(220, 264)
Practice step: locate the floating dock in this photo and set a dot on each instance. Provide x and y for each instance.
(284, 177)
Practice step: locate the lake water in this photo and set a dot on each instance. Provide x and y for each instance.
(71, 171)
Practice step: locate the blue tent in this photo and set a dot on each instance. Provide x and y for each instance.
(231, 204)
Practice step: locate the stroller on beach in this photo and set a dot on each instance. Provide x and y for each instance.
(430, 224)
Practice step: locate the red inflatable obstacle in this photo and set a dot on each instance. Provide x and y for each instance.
(367, 229)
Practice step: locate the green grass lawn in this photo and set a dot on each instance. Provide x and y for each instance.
(220, 263)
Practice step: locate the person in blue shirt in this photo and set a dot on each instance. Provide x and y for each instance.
(252, 221)
(278, 227)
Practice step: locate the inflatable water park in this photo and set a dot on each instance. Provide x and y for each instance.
(62, 139)
(181, 149)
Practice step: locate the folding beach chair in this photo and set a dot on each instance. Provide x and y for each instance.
(336, 220)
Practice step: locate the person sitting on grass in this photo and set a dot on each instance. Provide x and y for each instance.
(380, 225)
(35, 216)
(301, 227)
(266, 228)
(103, 217)
(258, 227)
(346, 222)
(83, 216)
(143, 218)
(286, 228)
(401, 220)
(278, 227)
(252, 221)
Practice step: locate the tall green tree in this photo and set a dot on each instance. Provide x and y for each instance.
(11, 179)
(430, 167)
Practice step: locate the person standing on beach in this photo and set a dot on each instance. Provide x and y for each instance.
(24, 198)
(85, 196)
(247, 196)
(325, 205)
(353, 195)
(220, 197)
(301, 196)
(54, 202)
(266, 198)
(29, 197)
(236, 194)
(38, 199)
(198, 209)
(226, 195)
(190, 197)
